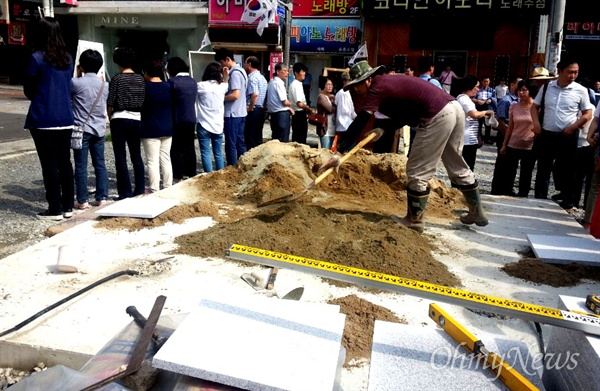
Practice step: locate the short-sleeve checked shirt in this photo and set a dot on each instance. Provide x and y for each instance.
(257, 84)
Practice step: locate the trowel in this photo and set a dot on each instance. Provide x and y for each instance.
(258, 282)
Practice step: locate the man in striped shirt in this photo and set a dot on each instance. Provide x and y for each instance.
(256, 94)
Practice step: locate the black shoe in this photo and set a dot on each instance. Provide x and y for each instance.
(558, 197)
(67, 214)
(46, 215)
(566, 205)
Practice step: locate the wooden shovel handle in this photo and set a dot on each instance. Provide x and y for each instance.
(358, 146)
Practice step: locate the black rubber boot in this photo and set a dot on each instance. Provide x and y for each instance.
(476, 213)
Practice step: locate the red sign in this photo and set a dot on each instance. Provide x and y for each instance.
(582, 30)
(228, 12)
(276, 58)
(16, 34)
(316, 8)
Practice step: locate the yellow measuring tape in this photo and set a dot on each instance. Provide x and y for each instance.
(577, 321)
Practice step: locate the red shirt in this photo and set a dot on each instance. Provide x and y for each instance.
(407, 100)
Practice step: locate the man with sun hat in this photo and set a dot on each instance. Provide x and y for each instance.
(440, 122)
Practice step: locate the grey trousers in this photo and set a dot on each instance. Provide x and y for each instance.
(441, 137)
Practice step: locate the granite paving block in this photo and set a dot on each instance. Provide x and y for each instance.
(417, 358)
(139, 207)
(258, 344)
(580, 352)
(566, 249)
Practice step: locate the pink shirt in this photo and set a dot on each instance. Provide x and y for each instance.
(522, 134)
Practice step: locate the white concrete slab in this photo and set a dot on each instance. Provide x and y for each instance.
(84, 325)
(417, 358)
(566, 249)
(138, 207)
(258, 344)
(575, 354)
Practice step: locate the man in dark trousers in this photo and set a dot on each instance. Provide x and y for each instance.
(440, 122)
(256, 94)
(558, 130)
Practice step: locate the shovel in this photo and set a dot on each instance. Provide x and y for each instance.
(375, 133)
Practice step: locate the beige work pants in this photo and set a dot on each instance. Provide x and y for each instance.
(441, 137)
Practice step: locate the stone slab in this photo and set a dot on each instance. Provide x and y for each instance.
(138, 207)
(577, 354)
(566, 249)
(416, 358)
(258, 344)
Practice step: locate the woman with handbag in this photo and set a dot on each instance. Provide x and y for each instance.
(472, 138)
(47, 85)
(326, 109)
(518, 140)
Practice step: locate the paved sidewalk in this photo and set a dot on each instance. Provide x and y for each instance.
(13, 109)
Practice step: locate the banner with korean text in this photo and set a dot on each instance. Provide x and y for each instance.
(340, 36)
(228, 12)
(328, 8)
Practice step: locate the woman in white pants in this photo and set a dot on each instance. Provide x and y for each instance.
(157, 127)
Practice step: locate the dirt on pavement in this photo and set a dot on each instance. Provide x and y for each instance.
(344, 220)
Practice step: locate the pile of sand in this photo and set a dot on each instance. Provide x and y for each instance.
(345, 219)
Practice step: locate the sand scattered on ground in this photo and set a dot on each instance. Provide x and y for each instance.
(537, 271)
(345, 219)
(360, 325)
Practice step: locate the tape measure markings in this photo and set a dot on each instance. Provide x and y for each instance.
(372, 279)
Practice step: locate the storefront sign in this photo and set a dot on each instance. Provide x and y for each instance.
(324, 35)
(395, 8)
(119, 20)
(23, 12)
(228, 12)
(275, 58)
(16, 34)
(320, 8)
(583, 30)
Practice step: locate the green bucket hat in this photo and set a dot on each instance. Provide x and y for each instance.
(360, 72)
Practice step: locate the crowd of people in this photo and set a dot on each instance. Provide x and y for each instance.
(555, 129)
(163, 109)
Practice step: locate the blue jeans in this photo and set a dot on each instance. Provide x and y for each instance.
(280, 125)
(128, 132)
(95, 145)
(206, 139)
(327, 142)
(235, 146)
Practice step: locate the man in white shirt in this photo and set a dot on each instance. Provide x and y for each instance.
(345, 113)
(501, 90)
(558, 130)
(301, 109)
(280, 108)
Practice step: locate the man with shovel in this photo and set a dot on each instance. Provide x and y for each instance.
(440, 122)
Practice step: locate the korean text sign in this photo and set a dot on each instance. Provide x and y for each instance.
(325, 35)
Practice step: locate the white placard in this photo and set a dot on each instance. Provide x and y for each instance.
(82, 46)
